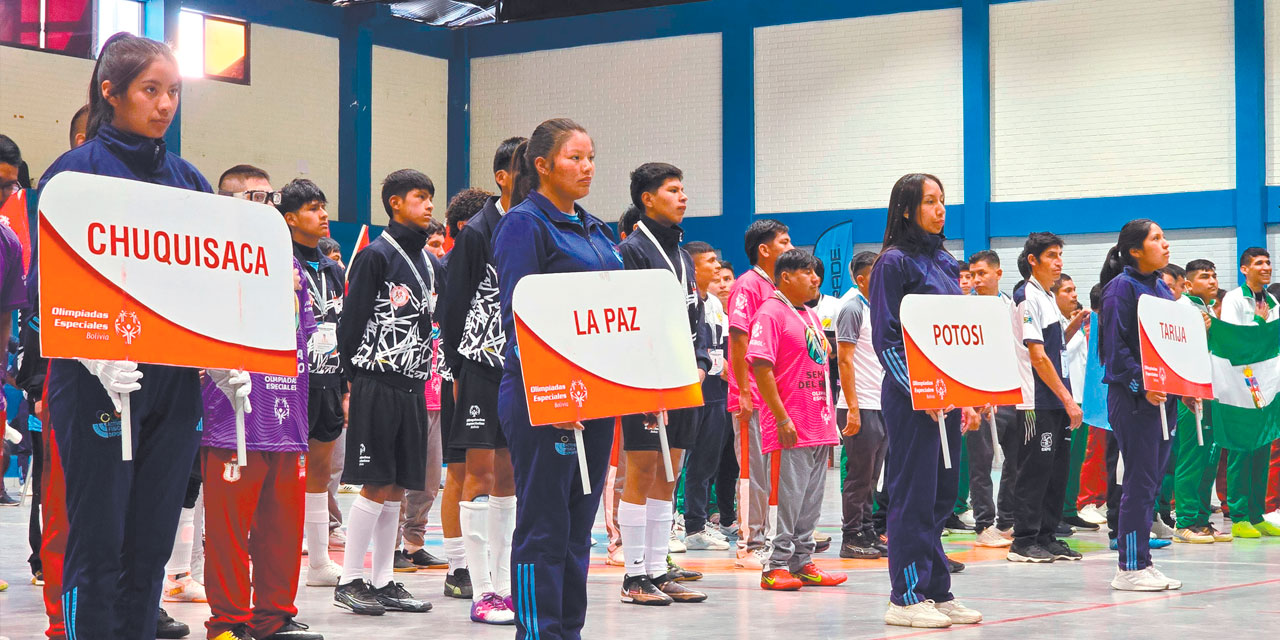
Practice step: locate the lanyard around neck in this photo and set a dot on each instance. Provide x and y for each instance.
(683, 275)
(426, 292)
(322, 302)
(817, 332)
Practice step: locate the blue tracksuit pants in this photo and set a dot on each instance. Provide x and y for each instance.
(1136, 424)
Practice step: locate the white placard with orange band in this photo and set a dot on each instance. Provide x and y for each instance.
(960, 353)
(1175, 352)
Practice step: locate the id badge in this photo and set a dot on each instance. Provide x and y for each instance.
(325, 339)
(717, 362)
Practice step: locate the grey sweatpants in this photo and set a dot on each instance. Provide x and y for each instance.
(981, 455)
(417, 504)
(801, 478)
(864, 455)
(758, 514)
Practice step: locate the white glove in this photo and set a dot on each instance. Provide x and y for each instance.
(12, 435)
(235, 383)
(118, 377)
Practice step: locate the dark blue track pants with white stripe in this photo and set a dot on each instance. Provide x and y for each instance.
(552, 544)
(1145, 452)
(922, 494)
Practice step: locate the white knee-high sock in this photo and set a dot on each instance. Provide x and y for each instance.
(657, 535)
(197, 539)
(315, 519)
(180, 558)
(631, 522)
(360, 523)
(456, 553)
(474, 517)
(502, 526)
(384, 543)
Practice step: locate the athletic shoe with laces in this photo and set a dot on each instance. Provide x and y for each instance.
(358, 596)
(1243, 529)
(425, 560)
(681, 574)
(38, 579)
(922, 615)
(337, 539)
(674, 544)
(819, 536)
(615, 558)
(1006, 533)
(667, 584)
(780, 580)
(458, 584)
(349, 488)
(183, 588)
(703, 540)
(1218, 536)
(990, 537)
(1173, 584)
(730, 531)
(1158, 543)
(811, 576)
(858, 547)
(954, 566)
(1163, 531)
(958, 613)
(237, 632)
(1266, 528)
(1033, 553)
(402, 563)
(491, 609)
(294, 630)
(750, 560)
(1080, 524)
(325, 575)
(1064, 530)
(714, 532)
(1061, 551)
(1138, 580)
(394, 597)
(640, 590)
(820, 547)
(1192, 535)
(967, 518)
(170, 629)
(1092, 513)
(954, 525)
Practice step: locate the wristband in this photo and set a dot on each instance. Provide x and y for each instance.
(783, 423)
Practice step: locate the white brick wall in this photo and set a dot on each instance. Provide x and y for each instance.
(286, 121)
(1084, 253)
(1271, 30)
(642, 101)
(410, 122)
(1106, 98)
(846, 107)
(40, 92)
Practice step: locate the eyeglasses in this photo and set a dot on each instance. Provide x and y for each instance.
(260, 197)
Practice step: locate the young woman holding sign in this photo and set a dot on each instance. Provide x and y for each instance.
(1128, 273)
(549, 233)
(921, 490)
(122, 515)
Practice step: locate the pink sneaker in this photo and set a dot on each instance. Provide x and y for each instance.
(510, 604)
(490, 609)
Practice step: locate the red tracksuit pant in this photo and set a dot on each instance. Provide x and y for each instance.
(254, 511)
(1273, 479)
(1093, 474)
(53, 539)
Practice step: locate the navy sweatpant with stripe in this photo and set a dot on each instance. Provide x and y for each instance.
(1136, 424)
(922, 494)
(552, 543)
(121, 515)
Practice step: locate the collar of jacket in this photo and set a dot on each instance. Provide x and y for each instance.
(555, 215)
(668, 237)
(144, 155)
(411, 239)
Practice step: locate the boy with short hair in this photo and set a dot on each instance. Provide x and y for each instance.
(788, 355)
(384, 341)
(992, 512)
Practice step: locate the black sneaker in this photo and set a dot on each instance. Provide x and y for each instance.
(881, 542)
(667, 584)
(954, 566)
(402, 563)
(394, 597)
(7, 501)
(168, 628)
(955, 525)
(1029, 553)
(237, 632)
(858, 547)
(424, 560)
(1079, 524)
(681, 574)
(1061, 551)
(458, 584)
(358, 597)
(294, 630)
(819, 547)
(1064, 530)
(641, 590)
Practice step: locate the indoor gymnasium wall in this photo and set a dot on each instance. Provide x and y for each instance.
(843, 108)
(641, 101)
(409, 110)
(285, 121)
(1272, 96)
(41, 91)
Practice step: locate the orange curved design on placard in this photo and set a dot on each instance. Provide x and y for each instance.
(160, 341)
(1153, 362)
(542, 366)
(921, 369)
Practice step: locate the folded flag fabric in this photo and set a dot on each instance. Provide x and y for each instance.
(1094, 404)
(1246, 381)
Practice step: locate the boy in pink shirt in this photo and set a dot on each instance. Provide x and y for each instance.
(788, 355)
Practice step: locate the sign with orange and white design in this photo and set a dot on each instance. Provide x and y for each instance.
(136, 271)
(960, 351)
(605, 343)
(1175, 348)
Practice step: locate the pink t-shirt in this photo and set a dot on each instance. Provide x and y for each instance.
(798, 353)
(745, 297)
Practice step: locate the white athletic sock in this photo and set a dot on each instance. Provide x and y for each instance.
(316, 528)
(456, 552)
(631, 523)
(474, 517)
(657, 535)
(502, 526)
(384, 544)
(360, 523)
(180, 558)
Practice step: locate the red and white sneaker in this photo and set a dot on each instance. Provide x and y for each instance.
(812, 576)
(183, 588)
(780, 580)
(491, 609)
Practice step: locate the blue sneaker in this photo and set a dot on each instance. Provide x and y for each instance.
(1154, 543)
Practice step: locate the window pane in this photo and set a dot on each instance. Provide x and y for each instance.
(191, 44)
(68, 26)
(224, 49)
(115, 16)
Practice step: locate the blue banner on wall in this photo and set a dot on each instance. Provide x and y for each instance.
(835, 249)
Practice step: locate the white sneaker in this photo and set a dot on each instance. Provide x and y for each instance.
(674, 545)
(1273, 518)
(337, 539)
(1173, 584)
(325, 575)
(1138, 580)
(704, 540)
(714, 532)
(749, 562)
(967, 518)
(183, 588)
(1161, 530)
(958, 613)
(990, 537)
(921, 614)
(1093, 514)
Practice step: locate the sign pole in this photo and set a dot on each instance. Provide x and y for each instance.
(1120, 469)
(126, 429)
(1200, 423)
(997, 455)
(942, 436)
(242, 457)
(582, 461)
(1164, 421)
(666, 449)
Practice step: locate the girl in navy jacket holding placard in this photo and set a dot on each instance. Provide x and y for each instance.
(548, 233)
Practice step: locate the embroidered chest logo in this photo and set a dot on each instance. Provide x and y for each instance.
(399, 296)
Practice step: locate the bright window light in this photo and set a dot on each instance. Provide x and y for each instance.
(191, 44)
(115, 16)
(213, 47)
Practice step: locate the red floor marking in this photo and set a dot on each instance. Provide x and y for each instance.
(1165, 595)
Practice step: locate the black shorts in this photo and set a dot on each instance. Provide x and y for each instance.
(449, 454)
(475, 414)
(682, 431)
(324, 413)
(387, 432)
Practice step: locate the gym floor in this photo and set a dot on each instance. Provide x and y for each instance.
(1236, 583)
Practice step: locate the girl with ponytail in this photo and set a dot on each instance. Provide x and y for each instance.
(1129, 272)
